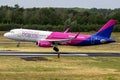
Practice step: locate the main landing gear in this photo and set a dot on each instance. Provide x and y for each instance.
(56, 49)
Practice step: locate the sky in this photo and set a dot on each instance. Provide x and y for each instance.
(108, 4)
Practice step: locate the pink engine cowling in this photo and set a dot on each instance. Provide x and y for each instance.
(44, 43)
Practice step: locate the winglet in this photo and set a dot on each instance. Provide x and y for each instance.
(67, 30)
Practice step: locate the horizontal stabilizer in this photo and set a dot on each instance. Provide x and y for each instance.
(76, 35)
(67, 30)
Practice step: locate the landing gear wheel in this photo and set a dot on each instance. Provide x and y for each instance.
(56, 49)
(18, 44)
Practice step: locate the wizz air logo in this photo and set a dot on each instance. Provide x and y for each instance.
(30, 34)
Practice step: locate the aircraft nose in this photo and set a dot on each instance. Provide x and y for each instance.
(6, 35)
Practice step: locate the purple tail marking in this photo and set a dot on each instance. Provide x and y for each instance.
(107, 29)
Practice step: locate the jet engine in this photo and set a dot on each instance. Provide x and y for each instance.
(44, 43)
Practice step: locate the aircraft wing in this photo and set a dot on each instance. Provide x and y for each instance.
(56, 40)
(61, 40)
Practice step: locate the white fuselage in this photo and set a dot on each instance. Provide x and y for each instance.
(27, 35)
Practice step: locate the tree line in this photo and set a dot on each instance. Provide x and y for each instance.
(79, 19)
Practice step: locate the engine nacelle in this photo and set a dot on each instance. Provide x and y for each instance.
(44, 43)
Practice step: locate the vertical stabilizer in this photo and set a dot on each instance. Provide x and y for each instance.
(107, 29)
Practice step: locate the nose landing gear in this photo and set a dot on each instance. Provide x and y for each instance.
(18, 44)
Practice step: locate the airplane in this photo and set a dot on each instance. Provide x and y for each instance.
(53, 39)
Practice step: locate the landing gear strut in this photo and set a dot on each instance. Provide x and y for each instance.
(18, 44)
(55, 48)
